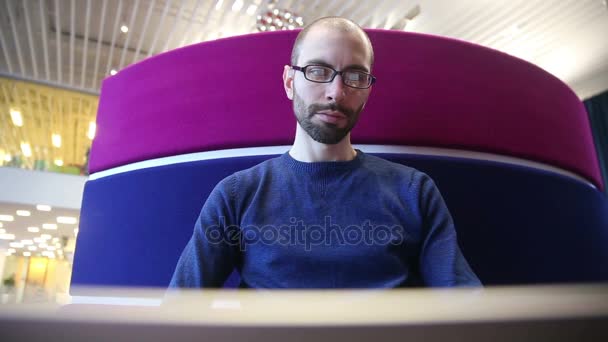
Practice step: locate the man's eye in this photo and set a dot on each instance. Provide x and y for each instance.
(354, 76)
(319, 72)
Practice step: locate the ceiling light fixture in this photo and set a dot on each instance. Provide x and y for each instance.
(16, 117)
(124, 29)
(251, 9)
(24, 213)
(56, 140)
(7, 218)
(26, 149)
(58, 162)
(402, 23)
(278, 19)
(48, 254)
(33, 230)
(238, 4)
(92, 130)
(50, 226)
(7, 237)
(66, 220)
(113, 72)
(43, 207)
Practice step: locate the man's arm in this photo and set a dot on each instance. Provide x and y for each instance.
(210, 256)
(441, 261)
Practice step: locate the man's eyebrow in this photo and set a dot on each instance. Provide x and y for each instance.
(348, 67)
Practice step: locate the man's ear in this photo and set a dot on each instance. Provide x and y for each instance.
(288, 81)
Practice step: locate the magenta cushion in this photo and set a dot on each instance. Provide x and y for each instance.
(431, 91)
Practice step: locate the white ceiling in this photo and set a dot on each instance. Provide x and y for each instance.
(18, 227)
(75, 43)
(24, 190)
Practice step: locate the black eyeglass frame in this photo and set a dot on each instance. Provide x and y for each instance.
(336, 72)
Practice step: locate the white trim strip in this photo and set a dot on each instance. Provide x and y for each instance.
(126, 301)
(396, 149)
(446, 152)
(192, 157)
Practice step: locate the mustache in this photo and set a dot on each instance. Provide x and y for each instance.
(315, 108)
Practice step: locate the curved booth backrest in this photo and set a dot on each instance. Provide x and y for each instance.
(508, 145)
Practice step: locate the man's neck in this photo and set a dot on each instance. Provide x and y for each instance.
(305, 149)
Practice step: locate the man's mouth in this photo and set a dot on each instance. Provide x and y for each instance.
(332, 113)
(331, 116)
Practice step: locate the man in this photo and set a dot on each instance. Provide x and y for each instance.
(325, 215)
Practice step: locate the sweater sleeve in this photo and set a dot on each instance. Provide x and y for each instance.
(211, 253)
(441, 260)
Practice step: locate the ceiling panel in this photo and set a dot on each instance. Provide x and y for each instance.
(76, 43)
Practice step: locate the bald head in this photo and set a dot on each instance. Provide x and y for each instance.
(331, 23)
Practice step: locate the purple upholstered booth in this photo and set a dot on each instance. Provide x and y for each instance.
(508, 145)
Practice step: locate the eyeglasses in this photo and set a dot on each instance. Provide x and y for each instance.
(324, 74)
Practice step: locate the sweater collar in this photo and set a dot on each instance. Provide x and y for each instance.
(323, 167)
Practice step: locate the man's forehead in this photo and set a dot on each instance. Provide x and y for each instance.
(328, 33)
(319, 38)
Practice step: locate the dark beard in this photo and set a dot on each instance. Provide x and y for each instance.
(324, 132)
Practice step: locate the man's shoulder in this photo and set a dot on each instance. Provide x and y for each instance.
(394, 173)
(249, 177)
(252, 175)
(379, 164)
(269, 165)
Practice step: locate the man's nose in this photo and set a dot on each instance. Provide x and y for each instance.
(336, 89)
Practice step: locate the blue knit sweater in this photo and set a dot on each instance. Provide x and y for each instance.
(365, 223)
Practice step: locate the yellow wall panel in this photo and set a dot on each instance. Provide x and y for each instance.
(45, 111)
